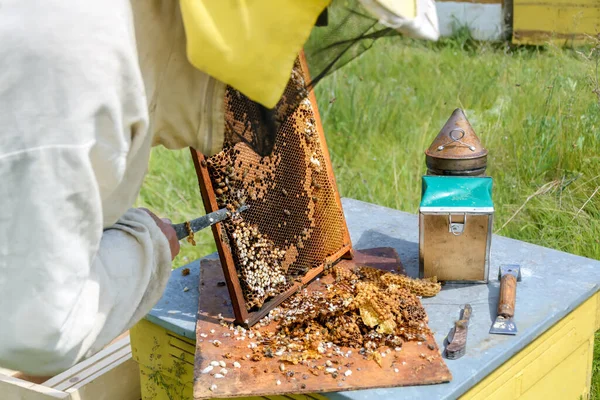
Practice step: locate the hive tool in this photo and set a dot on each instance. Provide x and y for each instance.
(457, 339)
(204, 221)
(508, 275)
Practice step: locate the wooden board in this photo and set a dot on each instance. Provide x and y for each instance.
(415, 364)
(109, 374)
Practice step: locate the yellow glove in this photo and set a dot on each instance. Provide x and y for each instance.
(250, 45)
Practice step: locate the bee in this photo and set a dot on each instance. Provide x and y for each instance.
(315, 199)
(203, 163)
(284, 192)
(286, 212)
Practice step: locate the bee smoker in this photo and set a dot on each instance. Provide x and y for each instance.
(456, 210)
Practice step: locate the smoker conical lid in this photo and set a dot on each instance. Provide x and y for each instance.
(456, 140)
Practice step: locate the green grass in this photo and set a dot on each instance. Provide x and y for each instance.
(534, 109)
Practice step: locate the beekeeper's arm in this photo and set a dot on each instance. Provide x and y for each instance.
(77, 266)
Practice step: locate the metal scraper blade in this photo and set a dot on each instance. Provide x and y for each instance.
(205, 221)
(504, 326)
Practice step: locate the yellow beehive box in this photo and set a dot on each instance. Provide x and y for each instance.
(538, 22)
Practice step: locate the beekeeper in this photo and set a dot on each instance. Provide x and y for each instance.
(86, 89)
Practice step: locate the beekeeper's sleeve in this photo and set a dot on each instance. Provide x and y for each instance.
(77, 266)
(413, 18)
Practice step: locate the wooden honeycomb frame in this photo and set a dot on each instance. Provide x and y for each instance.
(208, 191)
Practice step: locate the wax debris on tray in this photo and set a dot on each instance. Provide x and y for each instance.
(369, 310)
(365, 309)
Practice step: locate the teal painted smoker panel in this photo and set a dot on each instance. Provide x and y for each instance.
(456, 192)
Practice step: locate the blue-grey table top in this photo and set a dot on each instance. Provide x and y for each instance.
(553, 284)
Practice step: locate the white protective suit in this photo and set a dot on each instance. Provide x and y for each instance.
(86, 88)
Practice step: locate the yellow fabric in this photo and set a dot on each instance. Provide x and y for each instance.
(249, 44)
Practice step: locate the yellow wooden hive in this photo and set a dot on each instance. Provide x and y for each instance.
(538, 22)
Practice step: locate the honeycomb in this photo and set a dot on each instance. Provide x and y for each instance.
(428, 287)
(294, 221)
(364, 309)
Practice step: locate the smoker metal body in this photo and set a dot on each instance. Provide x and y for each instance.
(455, 228)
